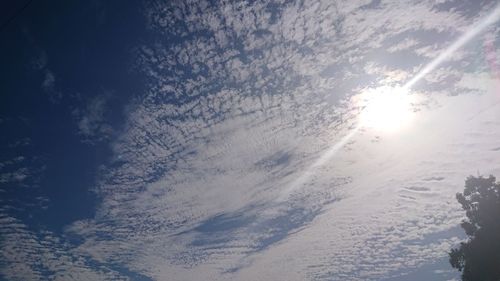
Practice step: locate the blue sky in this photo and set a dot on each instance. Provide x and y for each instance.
(263, 140)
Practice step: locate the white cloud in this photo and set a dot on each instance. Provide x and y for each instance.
(92, 123)
(49, 86)
(205, 154)
(406, 44)
(235, 114)
(27, 255)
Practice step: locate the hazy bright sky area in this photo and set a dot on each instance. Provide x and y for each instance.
(242, 140)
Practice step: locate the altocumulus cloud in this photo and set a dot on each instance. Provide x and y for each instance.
(243, 97)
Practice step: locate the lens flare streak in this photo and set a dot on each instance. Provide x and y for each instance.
(479, 27)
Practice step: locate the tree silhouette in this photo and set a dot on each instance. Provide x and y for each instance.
(478, 258)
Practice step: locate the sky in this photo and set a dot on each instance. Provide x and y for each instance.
(242, 140)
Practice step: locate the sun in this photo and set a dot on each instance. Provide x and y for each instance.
(386, 109)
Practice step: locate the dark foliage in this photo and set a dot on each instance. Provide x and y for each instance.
(479, 257)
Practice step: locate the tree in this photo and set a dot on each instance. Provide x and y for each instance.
(478, 258)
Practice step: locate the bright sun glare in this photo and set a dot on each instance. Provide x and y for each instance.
(386, 109)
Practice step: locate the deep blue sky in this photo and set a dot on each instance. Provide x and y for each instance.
(87, 48)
